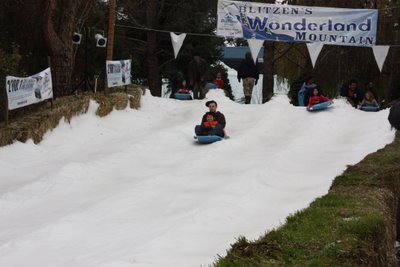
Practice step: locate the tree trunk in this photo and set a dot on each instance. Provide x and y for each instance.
(60, 44)
(268, 79)
(110, 43)
(392, 91)
(154, 77)
(61, 68)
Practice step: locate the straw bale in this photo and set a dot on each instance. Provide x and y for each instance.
(34, 121)
(119, 100)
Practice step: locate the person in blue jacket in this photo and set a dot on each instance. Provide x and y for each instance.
(306, 91)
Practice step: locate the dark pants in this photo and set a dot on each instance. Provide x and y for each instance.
(217, 130)
(198, 90)
(353, 101)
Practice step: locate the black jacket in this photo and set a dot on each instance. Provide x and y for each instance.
(394, 115)
(197, 71)
(247, 69)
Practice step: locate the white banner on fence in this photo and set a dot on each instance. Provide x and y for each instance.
(314, 49)
(380, 53)
(337, 26)
(177, 41)
(118, 72)
(22, 92)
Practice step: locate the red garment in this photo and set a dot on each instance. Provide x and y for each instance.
(218, 116)
(219, 83)
(210, 123)
(316, 99)
(183, 91)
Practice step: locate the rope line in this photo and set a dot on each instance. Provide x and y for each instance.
(198, 34)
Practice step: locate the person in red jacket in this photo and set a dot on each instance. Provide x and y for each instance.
(210, 122)
(183, 88)
(218, 81)
(317, 98)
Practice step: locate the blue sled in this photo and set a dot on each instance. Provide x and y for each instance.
(320, 106)
(208, 139)
(183, 96)
(211, 86)
(369, 109)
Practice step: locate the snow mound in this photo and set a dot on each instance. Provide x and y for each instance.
(134, 189)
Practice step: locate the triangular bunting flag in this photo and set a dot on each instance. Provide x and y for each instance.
(177, 41)
(255, 47)
(314, 49)
(380, 53)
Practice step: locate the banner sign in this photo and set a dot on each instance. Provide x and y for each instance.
(337, 26)
(22, 92)
(118, 72)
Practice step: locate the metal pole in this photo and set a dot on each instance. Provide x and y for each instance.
(110, 36)
(339, 71)
(95, 83)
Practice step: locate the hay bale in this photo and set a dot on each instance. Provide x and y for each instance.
(119, 100)
(7, 136)
(105, 105)
(134, 91)
(35, 121)
(135, 95)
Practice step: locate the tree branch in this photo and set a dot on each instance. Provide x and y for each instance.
(283, 53)
(297, 64)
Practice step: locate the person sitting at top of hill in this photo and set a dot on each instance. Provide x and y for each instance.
(353, 94)
(306, 91)
(218, 80)
(175, 82)
(183, 88)
(317, 98)
(371, 88)
(369, 100)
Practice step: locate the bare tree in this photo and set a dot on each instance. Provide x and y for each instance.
(60, 20)
(152, 48)
(268, 79)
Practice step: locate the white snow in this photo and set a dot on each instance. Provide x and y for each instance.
(133, 189)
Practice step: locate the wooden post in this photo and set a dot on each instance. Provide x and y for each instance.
(95, 83)
(110, 36)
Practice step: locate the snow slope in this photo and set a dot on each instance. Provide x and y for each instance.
(133, 189)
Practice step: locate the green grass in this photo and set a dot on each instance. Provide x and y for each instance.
(352, 225)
